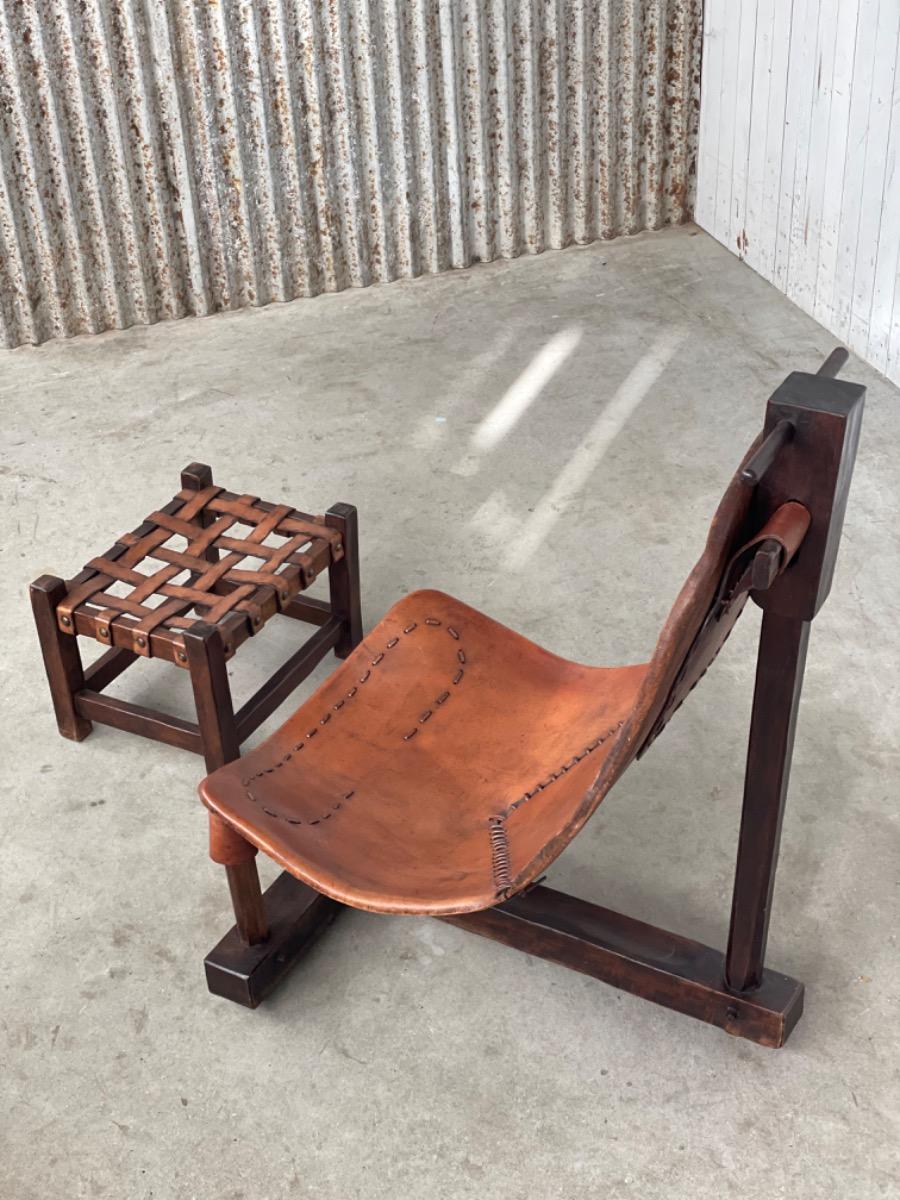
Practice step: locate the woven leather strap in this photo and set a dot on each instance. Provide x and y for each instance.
(238, 555)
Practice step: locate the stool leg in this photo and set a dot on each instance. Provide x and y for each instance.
(62, 660)
(215, 716)
(343, 578)
(212, 695)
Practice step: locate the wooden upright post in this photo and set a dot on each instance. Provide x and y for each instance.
(343, 578)
(814, 466)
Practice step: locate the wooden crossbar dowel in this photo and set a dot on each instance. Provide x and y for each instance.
(834, 363)
(756, 466)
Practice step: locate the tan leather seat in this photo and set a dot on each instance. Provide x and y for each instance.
(434, 765)
(449, 760)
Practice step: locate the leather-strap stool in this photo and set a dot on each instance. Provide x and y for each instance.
(190, 585)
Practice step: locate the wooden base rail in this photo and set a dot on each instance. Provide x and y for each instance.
(134, 718)
(649, 962)
(641, 959)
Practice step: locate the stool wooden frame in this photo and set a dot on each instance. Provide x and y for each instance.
(199, 626)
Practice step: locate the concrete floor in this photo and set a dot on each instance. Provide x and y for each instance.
(405, 1058)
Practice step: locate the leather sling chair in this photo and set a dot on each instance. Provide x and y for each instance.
(448, 761)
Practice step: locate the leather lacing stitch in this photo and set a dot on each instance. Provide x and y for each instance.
(563, 770)
(500, 854)
(438, 702)
(500, 860)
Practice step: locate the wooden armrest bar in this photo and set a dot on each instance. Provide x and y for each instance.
(292, 673)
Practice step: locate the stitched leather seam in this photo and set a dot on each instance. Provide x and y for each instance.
(500, 854)
(563, 770)
(500, 860)
(339, 705)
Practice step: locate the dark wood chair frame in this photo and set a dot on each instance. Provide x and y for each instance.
(807, 455)
(219, 731)
(810, 439)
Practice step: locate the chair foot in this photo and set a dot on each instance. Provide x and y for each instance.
(296, 916)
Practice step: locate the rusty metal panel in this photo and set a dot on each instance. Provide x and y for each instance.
(162, 158)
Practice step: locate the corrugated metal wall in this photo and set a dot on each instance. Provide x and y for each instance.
(169, 157)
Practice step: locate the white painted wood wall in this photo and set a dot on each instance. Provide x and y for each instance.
(799, 157)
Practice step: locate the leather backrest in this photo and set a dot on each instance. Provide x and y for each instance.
(704, 613)
(781, 535)
(728, 531)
